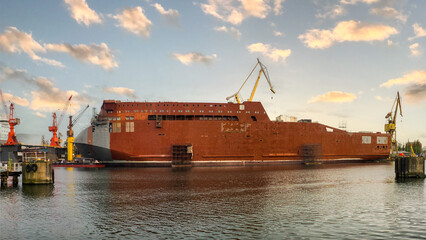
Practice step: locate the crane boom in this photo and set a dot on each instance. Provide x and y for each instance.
(70, 134)
(263, 70)
(4, 105)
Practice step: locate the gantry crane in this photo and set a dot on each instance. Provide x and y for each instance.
(11, 140)
(70, 134)
(263, 70)
(390, 126)
(54, 141)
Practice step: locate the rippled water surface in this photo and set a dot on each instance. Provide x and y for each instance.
(324, 201)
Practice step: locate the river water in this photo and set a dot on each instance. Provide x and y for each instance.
(349, 201)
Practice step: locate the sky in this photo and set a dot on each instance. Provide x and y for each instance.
(337, 62)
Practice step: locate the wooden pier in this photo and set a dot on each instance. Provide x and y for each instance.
(13, 170)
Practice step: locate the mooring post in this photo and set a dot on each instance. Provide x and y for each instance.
(410, 167)
(4, 180)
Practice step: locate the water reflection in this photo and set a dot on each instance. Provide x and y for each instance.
(38, 191)
(273, 202)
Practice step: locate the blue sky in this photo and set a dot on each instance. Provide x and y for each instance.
(331, 61)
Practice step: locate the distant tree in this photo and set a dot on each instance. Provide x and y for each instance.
(417, 146)
(44, 142)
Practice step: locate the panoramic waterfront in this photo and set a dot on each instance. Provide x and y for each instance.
(325, 201)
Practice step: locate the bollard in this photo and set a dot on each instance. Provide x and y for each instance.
(39, 172)
(410, 167)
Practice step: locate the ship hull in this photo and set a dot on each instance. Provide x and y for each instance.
(150, 134)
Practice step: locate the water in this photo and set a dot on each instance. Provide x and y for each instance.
(302, 202)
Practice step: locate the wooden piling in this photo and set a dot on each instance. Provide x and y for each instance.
(410, 167)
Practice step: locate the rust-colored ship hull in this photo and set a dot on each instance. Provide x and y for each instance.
(200, 134)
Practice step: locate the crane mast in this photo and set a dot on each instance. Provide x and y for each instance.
(11, 140)
(70, 134)
(263, 70)
(390, 126)
(54, 141)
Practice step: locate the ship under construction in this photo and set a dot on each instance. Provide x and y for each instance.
(212, 134)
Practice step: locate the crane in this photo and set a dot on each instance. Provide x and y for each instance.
(390, 126)
(70, 134)
(54, 141)
(263, 70)
(11, 140)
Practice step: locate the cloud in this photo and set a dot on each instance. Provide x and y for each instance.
(45, 96)
(15, 41)
(232, 31)
(352, 2)
(130, 93)
(15, 99)
(171, 15)
(415, 81)
(332, 12)
(389, 12)
(39, 114)
(191, 57)
(378, 98)
(352, 31)
(415, 50)
(235, 11)
(278, 7)
(134, 20)
(413, 77)
(82, 13)
(96, 54)
(273, 53)
(415, 93)
(334, 97)
(418, 31)
(277, 33)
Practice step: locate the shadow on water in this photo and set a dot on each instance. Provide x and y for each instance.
(38, 191)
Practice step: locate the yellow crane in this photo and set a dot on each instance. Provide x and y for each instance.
(263, 70)
(390, 126)
(70, 134)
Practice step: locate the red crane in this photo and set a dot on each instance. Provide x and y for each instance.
(11, 140)
(12, 122)
(54, 141)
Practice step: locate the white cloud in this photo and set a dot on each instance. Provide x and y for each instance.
(96, 54)
(82, 13)
(352, 2)
(134, 21)
(278, 7)
(277, 33)
(347, 31)
(389, 12)
(15, 41)
(235, 11)
(332, 12)
(413, 77)
(45, 97)
(192, 57)
(334, 97)
(415, 50)
(273, 53)
(418, 31)
(378, 98)
(231, 30)
(41, 115)
(171, 15)
(130, 93)
(15, 99)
